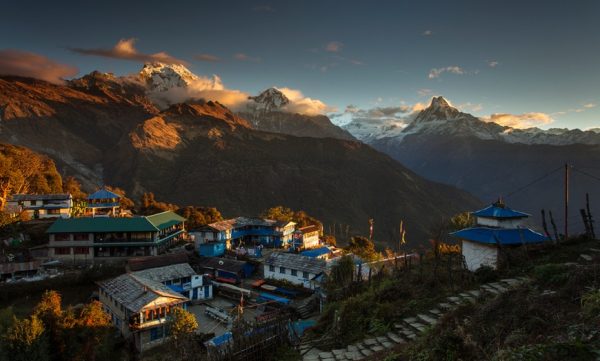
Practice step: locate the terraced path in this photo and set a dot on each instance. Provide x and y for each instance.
(408, 328)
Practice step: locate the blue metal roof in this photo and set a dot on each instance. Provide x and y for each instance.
(220, 340)
(496, 211)
(103, 194)
(314, 253)
(515, 236)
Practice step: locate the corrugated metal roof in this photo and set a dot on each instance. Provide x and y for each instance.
(487, 235)
(224, 264)
(497, 211)
(19, 266)
(142, 263)
(101, 224)
(165, 219)
(135, 292)
(297, 262)
(167, 273)
(313, 253)
(308, 229)
(103, 194)
(151, 223)
(238, 222)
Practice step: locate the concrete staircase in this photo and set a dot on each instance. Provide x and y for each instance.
(407, 329)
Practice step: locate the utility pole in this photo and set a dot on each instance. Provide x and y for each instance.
(589, 214)
(566, 201)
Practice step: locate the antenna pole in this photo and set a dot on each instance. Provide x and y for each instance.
(566, 201)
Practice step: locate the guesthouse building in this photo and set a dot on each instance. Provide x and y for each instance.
(104, 238)
(41, 206)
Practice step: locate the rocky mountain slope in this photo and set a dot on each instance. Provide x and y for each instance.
(489, 160)
(267, 111)
(107, 131)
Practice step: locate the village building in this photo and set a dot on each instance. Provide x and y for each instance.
(41, 206)
(180, 278)
(295, 268)
(105, 238)
(226, 270)
(139, 307)
(103, 203)
(306, 237)
(497, 227)
(214, 238)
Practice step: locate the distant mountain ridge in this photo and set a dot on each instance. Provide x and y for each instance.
(107, 130)
(491, 160)
(441, 118)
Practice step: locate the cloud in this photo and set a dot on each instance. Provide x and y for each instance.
(264, 9)
(303, 104)
(525, 120)
(589, 105)
(470, 107)
(246, 57)
(334, 46)
(427, 33)
(26, 64)
(125, 49)
(424, 92)
(436, 72)
(207, 57)
(492, 63)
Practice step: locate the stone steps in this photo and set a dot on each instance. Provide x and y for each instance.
(409, 328)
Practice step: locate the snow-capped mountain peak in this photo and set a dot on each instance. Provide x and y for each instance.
(269, 100)
(439, 109)
(162, 77)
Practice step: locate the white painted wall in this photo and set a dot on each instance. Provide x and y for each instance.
(298, 279)
(507, 223)
(477, 255)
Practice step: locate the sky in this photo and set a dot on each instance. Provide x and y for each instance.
(535, 63)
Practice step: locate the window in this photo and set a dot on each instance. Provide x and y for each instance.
(54, 211)
(282, 270)
(305, 275)
(62, 250)
(272, 268)
(62, 237)
(294, 272)
(156, 333)
(33, 203)
(81, 250)
(81, 237)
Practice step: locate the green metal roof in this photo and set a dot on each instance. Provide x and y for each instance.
(165, 219)
(153, 223)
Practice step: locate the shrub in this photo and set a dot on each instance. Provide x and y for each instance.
(551, 274)
(590, 304)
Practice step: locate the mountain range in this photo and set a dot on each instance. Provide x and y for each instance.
(489, 160)
(105, 129)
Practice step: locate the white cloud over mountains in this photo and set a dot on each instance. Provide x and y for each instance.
(125, 49)
(522, 121)
(31, 65)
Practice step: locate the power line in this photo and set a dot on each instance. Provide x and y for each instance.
(587, 174)
(534, 181)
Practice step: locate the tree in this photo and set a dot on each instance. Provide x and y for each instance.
(125, 203)
(25, 340)
(89, 333)
(49, 311)
(149, 205)
(23, 171)
(199, 216)
(363, 247)
(72, 186)
(341, 274)
(461, 221)
(182, 326)
(330, 240)
(284, 214)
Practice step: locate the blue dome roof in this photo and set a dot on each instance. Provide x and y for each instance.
(516, 236)
(103, 194)
(498, 210)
